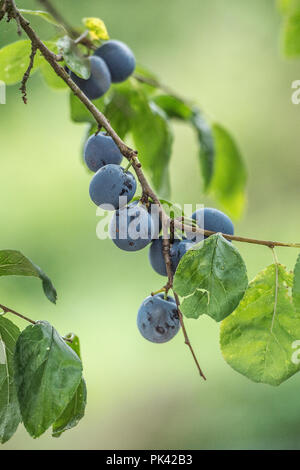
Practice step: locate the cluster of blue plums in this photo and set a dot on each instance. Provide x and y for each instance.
(135, 225)
(113, 62)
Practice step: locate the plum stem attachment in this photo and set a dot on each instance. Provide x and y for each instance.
(163, 289)
(129, 165)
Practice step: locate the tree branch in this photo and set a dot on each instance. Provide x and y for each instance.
(102, 121)
(72, 32)
(27, 73)
(20, 315)
(126, 151)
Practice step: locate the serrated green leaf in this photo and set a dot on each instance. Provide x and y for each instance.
(74, 412)
(74, 60)
(291, 35)
(79, 113)
(207, 147)
(14, 263)
(14, 61)
(153, 138)
(42, 14)
(212, 279)
(96, 27)
(259, 339)
(10, 416)
(229, 179)
(296, 285)
(47, 375)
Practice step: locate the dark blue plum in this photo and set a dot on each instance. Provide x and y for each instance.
(158, 319)
(213, 220)
(131, 227)
(100, 150)
(181, 249)
(177, 251)
(119, 59)
(156, 256)
(109, 184)
(99, 81)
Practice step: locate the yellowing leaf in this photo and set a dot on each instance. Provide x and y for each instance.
(96, 27)
(261, 338)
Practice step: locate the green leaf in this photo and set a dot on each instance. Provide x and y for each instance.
(259, 339)
(229, 179)
(296, 285)
(9, 407)
(14, 61)
(42, 14)
(119, 112)
(287, 7)
(79, 113)
(75, 61)
(153, 138)
(74, 412)
(212, 279)
(96, 27)
(50, 77)
(291, 35)
(174, 107)
(151, 85)
(47, 374)
(207, 147)
(14, 263)
(172, 210)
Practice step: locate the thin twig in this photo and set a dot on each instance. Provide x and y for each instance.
(186, 338)
(9, 310)
(81, 37)
(269, 243)
(157, 84)
(20, 315)
(72, 32)
(2, 9)
(27, 73)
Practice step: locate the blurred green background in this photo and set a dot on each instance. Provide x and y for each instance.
(226, 55)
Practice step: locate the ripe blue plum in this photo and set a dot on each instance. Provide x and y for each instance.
(182, 248)
(119, 58)
(158, 319)
(99, 81)
(156, 256)
(132, 228)
(213, 220)
(109, 184)
(100, 150)
(177, 250)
